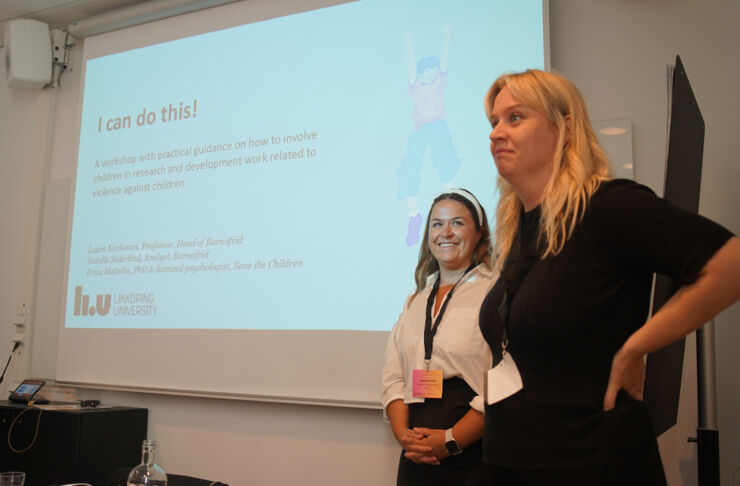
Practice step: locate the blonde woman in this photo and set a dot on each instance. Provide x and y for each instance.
(577, 252)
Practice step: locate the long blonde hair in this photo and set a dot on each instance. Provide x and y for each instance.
(579, 165)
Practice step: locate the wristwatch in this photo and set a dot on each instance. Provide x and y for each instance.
(452, 446)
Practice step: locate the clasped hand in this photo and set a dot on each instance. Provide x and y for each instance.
(423, 445)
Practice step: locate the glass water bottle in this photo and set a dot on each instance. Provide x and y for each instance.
(147, 473)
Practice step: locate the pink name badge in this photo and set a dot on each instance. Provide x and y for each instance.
(427, 383)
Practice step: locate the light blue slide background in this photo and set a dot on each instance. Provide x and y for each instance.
(340, 72)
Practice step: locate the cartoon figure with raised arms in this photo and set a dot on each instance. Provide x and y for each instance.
(427, 80)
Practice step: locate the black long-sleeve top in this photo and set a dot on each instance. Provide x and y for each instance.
(569, 317)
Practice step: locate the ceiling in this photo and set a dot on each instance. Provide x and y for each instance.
(57, 13)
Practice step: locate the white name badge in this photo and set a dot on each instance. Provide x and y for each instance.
(503, 380)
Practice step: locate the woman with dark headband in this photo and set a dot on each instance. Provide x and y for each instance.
(436, 357)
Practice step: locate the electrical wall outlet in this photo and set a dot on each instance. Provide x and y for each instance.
(20, 330)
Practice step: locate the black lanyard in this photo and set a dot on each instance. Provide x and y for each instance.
(517, 265)
(429, 329)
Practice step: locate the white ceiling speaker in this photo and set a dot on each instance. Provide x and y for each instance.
(27, 54)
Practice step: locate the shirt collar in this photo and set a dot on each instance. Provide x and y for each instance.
(481, 269)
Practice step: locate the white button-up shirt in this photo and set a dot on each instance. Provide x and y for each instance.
(458, 347)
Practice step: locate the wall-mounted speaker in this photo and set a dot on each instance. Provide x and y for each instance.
(27, 53)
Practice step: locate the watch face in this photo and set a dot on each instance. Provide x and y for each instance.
(452, 447)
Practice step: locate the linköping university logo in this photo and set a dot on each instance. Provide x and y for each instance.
(83, 307)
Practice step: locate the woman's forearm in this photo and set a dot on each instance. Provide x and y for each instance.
(716, 288)
(398, 415)
(469, 428)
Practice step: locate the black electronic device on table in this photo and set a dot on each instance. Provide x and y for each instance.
(26, 391)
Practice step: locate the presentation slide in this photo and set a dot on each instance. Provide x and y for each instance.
(249, 202)
(268, 176)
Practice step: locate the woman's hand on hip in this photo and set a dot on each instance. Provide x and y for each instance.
(628, 373)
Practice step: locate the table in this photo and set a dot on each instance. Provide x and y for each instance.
(70, 445)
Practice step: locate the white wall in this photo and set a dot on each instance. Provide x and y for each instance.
(615, 51)
(23, 122)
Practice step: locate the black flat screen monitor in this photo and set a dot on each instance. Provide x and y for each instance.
(682, 189)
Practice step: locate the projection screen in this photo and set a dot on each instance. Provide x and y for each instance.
(243, 200)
